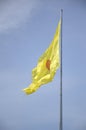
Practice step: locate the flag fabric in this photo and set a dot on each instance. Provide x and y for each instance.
(47, 65)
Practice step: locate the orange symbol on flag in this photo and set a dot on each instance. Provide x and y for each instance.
(48, 64)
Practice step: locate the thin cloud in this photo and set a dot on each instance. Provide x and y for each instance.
(15, 12)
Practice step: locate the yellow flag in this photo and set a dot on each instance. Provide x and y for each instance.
(47, 65)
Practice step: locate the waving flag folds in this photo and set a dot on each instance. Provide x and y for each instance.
(47, 65)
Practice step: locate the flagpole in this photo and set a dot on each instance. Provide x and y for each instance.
(61, 114)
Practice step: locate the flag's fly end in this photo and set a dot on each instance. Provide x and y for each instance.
(31, 88)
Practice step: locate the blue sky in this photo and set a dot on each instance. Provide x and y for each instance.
(26, 30)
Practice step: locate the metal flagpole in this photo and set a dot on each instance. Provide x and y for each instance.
(61, 120)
